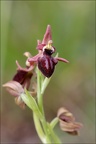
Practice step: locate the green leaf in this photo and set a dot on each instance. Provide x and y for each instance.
(26, 101)
(31, 103)
(45, 84)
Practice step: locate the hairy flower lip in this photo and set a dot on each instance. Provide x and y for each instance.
(35, 58)
(45, 50)
(24, 75)
(43, 46)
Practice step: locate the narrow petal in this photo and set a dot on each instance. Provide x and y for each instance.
(27, 54)
(24, 69)
(38, 42)
(39, 45)
(62, 59)
(35, 58)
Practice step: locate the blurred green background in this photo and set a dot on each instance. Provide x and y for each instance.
(72, 85)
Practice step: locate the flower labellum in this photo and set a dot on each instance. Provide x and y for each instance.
(46, 63)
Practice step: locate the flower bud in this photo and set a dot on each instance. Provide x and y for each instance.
(14, 88)
(67, 122)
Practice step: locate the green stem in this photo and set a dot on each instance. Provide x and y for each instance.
(53, 135)
(31, 103)
(39, 128)
(54, 122)
(40, 104)
(38, 85)
(48, 129)
(39, 96)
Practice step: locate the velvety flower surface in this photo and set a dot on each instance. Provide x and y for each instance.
(46, 63)
(67, 122)
(23, 76)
